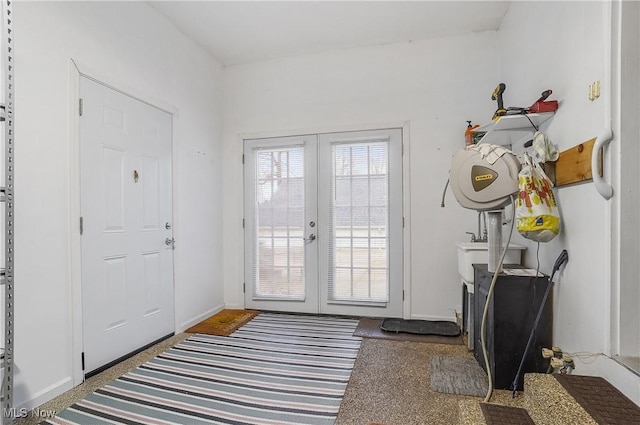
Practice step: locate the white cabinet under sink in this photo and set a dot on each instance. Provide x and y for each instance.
(470, 253)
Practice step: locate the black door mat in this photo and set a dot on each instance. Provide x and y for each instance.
(421, 327)
(495, 414)
(604, 402)
(370, 328)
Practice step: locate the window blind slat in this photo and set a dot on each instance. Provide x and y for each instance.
(359, 222)
(278, 266)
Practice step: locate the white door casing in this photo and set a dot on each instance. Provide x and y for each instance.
(126, 208)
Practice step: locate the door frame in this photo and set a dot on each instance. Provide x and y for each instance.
(76, 71)
(406, 193)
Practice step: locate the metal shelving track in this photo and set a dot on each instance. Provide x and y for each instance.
(6, 115)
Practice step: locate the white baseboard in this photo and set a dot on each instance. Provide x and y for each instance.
(31, 401)
(199, 318)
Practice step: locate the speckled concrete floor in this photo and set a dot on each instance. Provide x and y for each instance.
(549, 403)
(78, 393)
(390, 384)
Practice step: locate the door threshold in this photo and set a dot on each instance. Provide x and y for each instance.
(125, 357)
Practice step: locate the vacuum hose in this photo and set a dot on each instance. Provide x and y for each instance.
(483, 327)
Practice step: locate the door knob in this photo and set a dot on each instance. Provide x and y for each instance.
(311, 238)
(170, 242)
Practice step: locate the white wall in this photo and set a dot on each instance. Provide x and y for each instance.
(562, 46)
(133, 46)
(435, 85)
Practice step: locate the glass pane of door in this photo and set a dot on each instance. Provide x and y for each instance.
(279, 217)
(359, 222)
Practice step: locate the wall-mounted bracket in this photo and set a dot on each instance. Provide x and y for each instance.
(604, 189)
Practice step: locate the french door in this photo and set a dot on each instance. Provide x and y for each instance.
(323, 223)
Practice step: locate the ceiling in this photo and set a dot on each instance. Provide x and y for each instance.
(236, 32)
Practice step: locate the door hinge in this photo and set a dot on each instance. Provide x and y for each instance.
(403, 295)
(80, 106)
(81, 225)
(403, 222)
(243, 223)
(243, 158)
(244, 287)
(82, 357)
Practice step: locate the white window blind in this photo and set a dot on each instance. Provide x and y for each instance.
(359, 222)
(278, 266)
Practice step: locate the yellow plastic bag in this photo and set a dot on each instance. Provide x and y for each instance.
(537, 215)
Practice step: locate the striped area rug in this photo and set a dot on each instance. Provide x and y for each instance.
(276, 369)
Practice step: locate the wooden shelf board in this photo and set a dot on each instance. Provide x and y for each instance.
(574, 164)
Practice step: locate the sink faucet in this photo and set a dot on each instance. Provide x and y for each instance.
(482, 233)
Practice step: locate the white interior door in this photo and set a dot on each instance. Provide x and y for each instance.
(126, 207)
(323, 223)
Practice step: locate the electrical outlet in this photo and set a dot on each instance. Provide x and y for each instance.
(594, 90)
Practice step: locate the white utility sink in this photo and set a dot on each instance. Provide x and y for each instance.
(470, 253)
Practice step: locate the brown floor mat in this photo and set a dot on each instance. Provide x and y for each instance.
(504, 415)
(223, 323)
(600, 399)
(370, 328)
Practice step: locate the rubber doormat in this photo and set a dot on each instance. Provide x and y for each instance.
(504, 415)
(604, 402)
(370, 328)
(421, 327)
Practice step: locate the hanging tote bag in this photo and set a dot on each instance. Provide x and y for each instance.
(537, 213)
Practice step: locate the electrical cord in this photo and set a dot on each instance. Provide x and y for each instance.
(534, 298)
(529, 143)
(586, 357)
(534, 126)
(538, 259)
(483, 326)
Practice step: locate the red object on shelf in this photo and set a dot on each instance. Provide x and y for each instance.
(544, 106)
